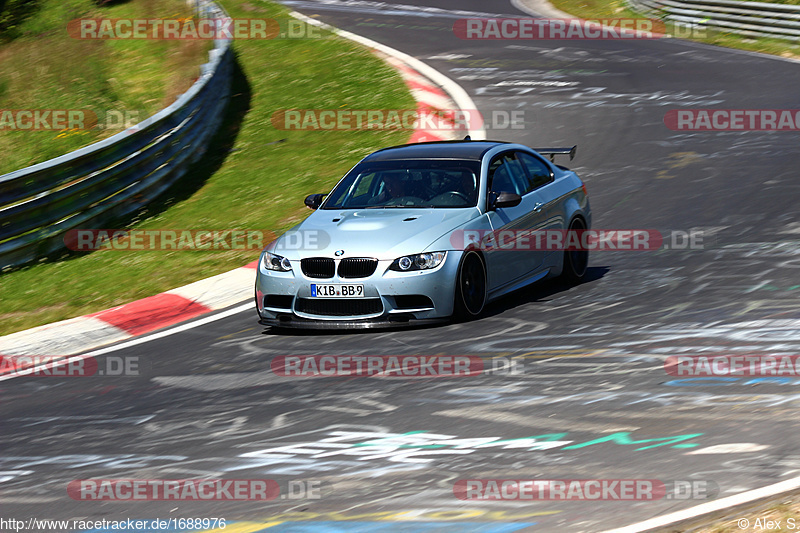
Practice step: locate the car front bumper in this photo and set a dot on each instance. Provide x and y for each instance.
(391, 298)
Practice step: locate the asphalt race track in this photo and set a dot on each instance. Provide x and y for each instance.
(588, 396)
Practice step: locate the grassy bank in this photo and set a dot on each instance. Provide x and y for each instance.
(42, 67)
(254, 176)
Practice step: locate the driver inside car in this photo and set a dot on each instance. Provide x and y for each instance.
(393, 187)
(467, 183)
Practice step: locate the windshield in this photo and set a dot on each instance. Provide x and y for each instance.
(408, 183)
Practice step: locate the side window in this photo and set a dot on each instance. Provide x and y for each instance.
(538, 172)
(507, 175)
(493, 167)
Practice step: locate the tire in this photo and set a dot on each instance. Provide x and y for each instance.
(470, 293)
(576, 262)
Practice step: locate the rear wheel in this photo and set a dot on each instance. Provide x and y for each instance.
(470, 287)
(576, 262)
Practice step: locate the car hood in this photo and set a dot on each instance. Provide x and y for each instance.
(381, 233)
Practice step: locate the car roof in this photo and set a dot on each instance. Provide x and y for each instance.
(435, 150)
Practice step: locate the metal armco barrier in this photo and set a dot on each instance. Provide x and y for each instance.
(754, 19)
(116, 176)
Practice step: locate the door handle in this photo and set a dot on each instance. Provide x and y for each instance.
(538, 207)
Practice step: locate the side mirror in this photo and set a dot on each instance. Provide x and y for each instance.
(313, 201)
(503, 199)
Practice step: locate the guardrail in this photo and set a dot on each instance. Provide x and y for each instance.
(753, 19)
(115, 177)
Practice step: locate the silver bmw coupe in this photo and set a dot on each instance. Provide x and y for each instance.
(425, 232)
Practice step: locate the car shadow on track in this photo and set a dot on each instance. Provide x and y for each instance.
(537, 292)
(540, 292)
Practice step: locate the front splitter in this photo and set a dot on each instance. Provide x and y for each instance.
(380, 323)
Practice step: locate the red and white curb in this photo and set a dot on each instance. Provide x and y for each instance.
(429, 99)
(432, 91)
(91, 331)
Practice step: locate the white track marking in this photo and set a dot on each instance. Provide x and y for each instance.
(139, 340)
(710, 507)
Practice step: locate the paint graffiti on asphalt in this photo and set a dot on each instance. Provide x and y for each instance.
(421, 446)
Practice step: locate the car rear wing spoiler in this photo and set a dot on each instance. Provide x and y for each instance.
(553, 152)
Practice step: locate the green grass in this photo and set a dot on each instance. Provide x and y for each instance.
(253, 177)
(45, 68)
(598, 9)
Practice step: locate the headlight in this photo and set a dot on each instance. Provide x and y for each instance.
(424, 261)
(276, 262)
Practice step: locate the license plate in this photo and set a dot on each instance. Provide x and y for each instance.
(319, 290)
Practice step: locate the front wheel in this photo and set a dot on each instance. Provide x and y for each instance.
(470, 291)
(576, 262)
